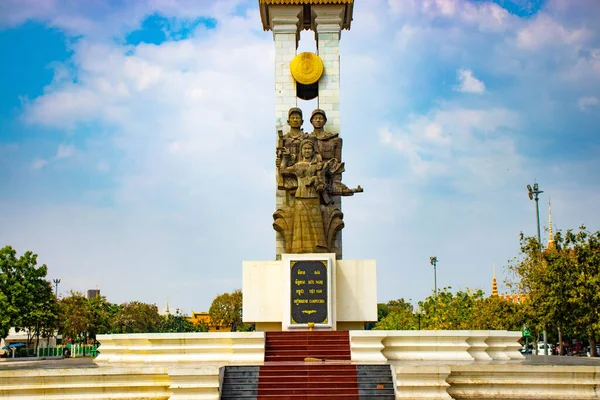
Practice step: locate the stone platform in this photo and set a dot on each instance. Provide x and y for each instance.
(423, 364)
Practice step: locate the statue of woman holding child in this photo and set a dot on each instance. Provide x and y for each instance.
(309, 170)
(308, 235)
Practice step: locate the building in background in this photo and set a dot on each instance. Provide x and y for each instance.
(204, 317)
(513, 298)
(21, 337)
(518, 297)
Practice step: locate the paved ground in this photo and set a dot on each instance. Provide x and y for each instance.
(563, 360)
(88, 362)
(49, 363)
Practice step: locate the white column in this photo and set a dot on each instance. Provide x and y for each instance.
(327, 24)
(285, 22)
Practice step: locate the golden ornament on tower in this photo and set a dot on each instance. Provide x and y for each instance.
(306, 68)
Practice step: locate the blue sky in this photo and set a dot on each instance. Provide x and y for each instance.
(136, 141)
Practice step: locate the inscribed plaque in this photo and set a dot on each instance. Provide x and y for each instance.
(308, 292)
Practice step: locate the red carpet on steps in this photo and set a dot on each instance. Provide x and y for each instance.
(296, 346)
(286, 374)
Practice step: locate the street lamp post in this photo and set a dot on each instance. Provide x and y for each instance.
(56, 282)
(534, 195)
(433, 261)
(178, 317)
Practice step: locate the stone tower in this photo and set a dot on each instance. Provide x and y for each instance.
(327, 19)
(308, 286)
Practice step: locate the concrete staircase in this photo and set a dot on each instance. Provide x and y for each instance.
(375, 382)
(304, 381)
(297, 346)
(240, 382)
(308, 381)
(286, 374)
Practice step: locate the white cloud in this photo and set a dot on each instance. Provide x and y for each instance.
(191, 124)
(485, 16)
(584, 103)
(433, 133)
(459, 144)
(402, 6)
(440, 7)
(38, 163)
(178, 140)
(545, 31)
(193, 97)
(103, 166)
(468, 83)
(488, 16)
(64, 151)
(408, 148)
(405, 35)
(106, 20)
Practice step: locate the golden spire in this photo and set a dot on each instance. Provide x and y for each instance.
(551, 244)
(494, 284)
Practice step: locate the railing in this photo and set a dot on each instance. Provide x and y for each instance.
(384, 346)
(225, 347)
(76, 350)
(79, 350)
(49, 351)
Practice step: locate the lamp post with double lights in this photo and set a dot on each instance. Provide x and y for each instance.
(178, 316)
(534, 194)
(433, 261)
(56, 282)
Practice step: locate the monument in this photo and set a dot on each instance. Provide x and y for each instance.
(308, 284)
(309, 173)
(308, 290)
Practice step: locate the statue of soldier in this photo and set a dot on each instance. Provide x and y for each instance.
(289, 146)
(329, 146)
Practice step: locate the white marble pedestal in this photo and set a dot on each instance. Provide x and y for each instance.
(271, 287)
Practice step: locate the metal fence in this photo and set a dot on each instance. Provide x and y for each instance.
(76, 350)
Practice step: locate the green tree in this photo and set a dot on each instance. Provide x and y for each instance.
(137, 317)
(531, 278)
(26, 295)
(244, 327)
(226, 310)
(583, 248)
(496, 313)
(201, 326)
(180, 323)
(85, 318)
(397, 315)
(102, 315)
(4, 315)
(75, 316)
(448, 311)
(382, 312)
(463, 310)
(562, 283)
(42, 321)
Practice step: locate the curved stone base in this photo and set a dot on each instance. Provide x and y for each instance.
(425, 364)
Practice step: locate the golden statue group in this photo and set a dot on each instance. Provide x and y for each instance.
(309, 171)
